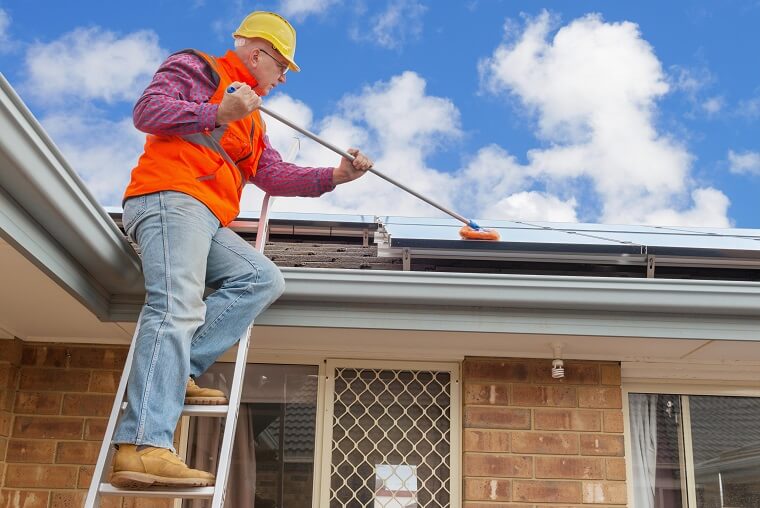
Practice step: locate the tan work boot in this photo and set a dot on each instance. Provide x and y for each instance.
(154, 467)
(194, 394)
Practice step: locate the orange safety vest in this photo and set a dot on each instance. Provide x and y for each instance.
(211, 166)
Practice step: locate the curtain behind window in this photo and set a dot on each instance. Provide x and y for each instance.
(643, 417)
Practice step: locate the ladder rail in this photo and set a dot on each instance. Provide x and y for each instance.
(106, 448)
(230, 423)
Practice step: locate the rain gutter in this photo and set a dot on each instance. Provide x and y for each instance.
(49, 215)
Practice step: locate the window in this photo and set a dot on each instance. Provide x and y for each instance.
(273, 454)
(692, 451)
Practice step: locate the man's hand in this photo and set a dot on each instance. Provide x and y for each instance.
(238, 104)
(348, 171)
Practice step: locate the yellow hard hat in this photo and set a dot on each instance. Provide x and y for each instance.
(275, 29)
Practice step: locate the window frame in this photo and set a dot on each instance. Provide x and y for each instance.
(684, 389)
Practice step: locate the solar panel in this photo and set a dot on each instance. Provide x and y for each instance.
(572, 242)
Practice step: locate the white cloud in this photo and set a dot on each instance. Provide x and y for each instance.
(533, 205)
(710, 210)
(302, 8)
(749, 108)
(6, 43)
(365, 121)
(593, 88)
(713, 105)
(744, 162)
(400, 22)
(102, 152)
(92, 64)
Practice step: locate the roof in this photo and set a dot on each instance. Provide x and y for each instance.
(48, 215)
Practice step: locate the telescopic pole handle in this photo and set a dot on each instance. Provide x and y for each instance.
(382, 175)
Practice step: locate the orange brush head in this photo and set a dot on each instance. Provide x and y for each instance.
(469, 233)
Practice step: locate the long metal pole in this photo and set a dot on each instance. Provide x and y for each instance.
(350, 157)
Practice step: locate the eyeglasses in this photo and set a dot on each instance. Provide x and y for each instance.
(283, 67)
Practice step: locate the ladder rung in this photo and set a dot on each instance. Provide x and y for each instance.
(201, 410)
(164, 492)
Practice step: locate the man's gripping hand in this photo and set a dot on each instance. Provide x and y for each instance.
(238, 104)
(348, 171)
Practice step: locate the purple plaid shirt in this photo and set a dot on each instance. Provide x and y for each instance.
(176, 102)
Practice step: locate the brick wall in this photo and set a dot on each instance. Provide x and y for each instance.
(533, 441)
(55, 401)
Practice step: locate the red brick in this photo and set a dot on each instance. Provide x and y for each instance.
(602, 444)
(87, 404)
(495, 370)
(85, 476)
(600, 397)
(576, 373)
(492, 394)
(615, 469)
(580, 468)
(556, 396)
(611, 374)
(77, 452)
(49, 477)
(50, 379)
(503, 466)
(568, 419)
(543, 491)
(39, 403)
(30, 450)
(47, 427)
(613, 421)
(87, 357)
(604, 492)
(7, 375)
(496, 417)
(483, 489)
(24, 498)
(554, 443)
(10, 351)
(71, 499)
(95, 429)
(5, 424)
(105, 381)
(7, 398)
(486, 441)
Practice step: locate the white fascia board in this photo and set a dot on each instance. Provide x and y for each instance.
(48, 214)
(533, 304)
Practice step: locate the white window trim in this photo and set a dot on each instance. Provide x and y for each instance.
(676, 387)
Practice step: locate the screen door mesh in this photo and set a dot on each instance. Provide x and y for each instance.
(391, 438)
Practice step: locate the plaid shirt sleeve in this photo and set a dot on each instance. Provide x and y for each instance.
(176, 103)
(280, 178)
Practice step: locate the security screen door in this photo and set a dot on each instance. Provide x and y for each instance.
(391, 436)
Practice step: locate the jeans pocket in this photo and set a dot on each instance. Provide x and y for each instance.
(134, 208)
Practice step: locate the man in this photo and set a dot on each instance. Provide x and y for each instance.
(204, 143)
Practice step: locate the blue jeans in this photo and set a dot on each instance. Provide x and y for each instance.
(184, 250)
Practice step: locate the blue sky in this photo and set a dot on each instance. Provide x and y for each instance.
(592, 111)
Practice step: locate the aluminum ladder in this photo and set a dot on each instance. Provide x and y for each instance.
(99, 485)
